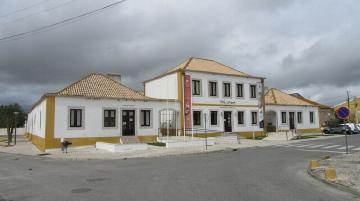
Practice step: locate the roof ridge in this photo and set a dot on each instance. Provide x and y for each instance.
(119, 83)
(272, 91)
(75, 82)
(188, 62)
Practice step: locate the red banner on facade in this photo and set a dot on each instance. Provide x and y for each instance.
(187, 101)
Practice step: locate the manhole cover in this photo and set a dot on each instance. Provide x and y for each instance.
(80, 190)
(95, 179)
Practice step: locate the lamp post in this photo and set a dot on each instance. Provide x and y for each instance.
(15, 113)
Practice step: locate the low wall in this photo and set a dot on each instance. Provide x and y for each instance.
(19, 131)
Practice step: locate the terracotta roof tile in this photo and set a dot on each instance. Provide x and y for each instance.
(277, 97)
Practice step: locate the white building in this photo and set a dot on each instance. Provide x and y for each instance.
(212, 96)
(95, 108)
(285, 112)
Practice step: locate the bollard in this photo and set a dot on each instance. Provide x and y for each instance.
(314, 164)
(330, 173)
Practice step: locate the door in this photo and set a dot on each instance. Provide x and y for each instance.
(128, 122)
(227, 121)
(292, 120)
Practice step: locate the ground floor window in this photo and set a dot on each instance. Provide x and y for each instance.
(254, 118)
(240, 117)
(283, 117)
(196, 118)
(145, 117)
(299, 117)
(109, 118)
(311, 117)
(76, 118)
(213, 118)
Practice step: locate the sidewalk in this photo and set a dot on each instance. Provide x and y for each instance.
(90, 152)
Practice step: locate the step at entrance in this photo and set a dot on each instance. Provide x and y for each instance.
(129, 140)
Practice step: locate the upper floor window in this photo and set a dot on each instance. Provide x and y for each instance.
(227, 89)
(196, 118)
(196, 87)
(213, 118)
(253, 91)
(283, 117)
(109, 118)
(240, 117)
(145, 117)
(299, 117)
(254, 118)
(239, 90)
(311, 117)
(212, 88)
(76, 118)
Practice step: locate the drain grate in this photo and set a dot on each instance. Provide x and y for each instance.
(80, 190)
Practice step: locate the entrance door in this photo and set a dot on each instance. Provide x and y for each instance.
(227, 121)
(292, 120)
(128, 122)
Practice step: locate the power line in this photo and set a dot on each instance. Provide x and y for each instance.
(37, 13)
(61, 22)
(22, 9)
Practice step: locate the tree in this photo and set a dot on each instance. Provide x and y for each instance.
(7, 118)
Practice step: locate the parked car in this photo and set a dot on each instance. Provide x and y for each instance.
(354, 127)
(339, 129)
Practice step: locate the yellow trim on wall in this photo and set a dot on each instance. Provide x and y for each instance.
(219, 104)
(49, 124)
(148, 138)
(39, 142)
(249, 134)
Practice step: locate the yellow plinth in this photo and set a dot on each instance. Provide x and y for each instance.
(330, 173)
(314, 164)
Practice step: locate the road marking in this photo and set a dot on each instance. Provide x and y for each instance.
(319, 145)
(356, 149)
(332, 146)
(304, 145)
(339, 152)
(345, 147)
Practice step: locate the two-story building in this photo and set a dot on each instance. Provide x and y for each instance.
(212, 97)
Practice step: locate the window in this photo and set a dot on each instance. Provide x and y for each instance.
(227, 89)
(196, 89)
(76, 118)
(254, 118)
(253, 91)
(212, 88)
(196, 118)
(239, 90)
(109, 118)
(213, 118)
(283, 117)
(299, 117)
(240, 117)
(145, 117)
(311, 117)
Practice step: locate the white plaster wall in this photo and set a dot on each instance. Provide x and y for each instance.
(19, 131)
(246, 127)
(163, 88)
(36, 120)
(305, 116)
(93, 116)
(206, 77)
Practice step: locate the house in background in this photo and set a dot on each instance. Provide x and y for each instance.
(354, 104)
(326, 113)
(95, 108)
(211, 96)
(285, 112)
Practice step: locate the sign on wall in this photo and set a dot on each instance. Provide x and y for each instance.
(187, 101)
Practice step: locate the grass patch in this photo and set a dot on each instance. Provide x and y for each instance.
(260, 137)
(306, 137)
(159, 144)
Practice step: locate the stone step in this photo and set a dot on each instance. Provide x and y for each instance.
(129, 140)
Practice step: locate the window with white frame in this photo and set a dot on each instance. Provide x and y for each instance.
(253, 91)
(312, 117)
(239, 90)
(227, 89)
(254, 118)
(240, 117)
(76, 118)
(109, 118)
(212, 88)
(197, 118)
(283, 117)
(299, 117)
(196, 87)
(145, 117)
(213, 118)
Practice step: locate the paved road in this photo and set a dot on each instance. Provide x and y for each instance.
(253, 174)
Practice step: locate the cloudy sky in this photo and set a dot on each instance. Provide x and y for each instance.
(310, 47)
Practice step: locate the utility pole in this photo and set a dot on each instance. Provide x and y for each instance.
(348, 120)
(263, 104)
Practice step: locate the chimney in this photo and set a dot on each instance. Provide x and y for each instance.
(115, 76)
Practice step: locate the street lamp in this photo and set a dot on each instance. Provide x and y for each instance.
(15, 113)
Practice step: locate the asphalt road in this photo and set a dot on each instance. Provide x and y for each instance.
(253, 174)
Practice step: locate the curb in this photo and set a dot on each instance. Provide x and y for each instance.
(333, 184)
